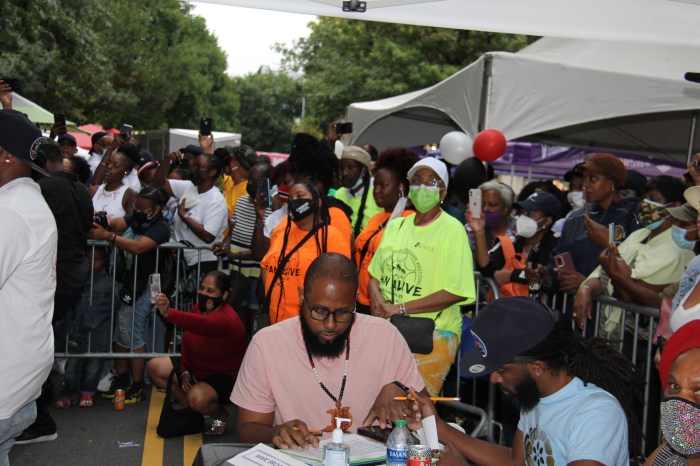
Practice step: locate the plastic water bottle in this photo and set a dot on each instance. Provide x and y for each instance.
(397, 444)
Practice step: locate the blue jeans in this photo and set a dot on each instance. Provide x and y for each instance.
(12, 427)
(83, 375)
(135, 318)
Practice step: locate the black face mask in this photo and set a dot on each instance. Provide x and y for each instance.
(251, 189)
(299, 209)
(214, 302)
(196, 176)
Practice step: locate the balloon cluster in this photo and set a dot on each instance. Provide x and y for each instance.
(487, 146)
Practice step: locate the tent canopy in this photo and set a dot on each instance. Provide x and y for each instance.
(671, 22)
(36, 113)
(603, 95)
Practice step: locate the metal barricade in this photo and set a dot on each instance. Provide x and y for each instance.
(185, 281)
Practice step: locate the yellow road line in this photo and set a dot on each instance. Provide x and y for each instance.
(190, 446)
(152, 443)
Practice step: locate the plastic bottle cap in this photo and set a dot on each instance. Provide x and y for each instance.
(400, 422)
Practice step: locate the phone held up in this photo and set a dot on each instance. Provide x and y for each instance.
(475, 202)
(125, 132)
(264, 189)
(343, 128)
(12, 82)
(59, 119)
(563, 261)
(205, 126)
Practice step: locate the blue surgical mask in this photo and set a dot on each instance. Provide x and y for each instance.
(654, 225)
(678, 235)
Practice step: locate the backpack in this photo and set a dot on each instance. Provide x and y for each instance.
(514, 260)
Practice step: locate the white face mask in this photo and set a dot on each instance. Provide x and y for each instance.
(575, 199)
(526, 227)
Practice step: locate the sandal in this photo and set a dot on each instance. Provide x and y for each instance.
(85, 400)
(218, 425)
(65, 403)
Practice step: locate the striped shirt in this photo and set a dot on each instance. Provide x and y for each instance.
(243, 220)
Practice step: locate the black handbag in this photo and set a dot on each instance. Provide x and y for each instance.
(177, 422)
(417, 331)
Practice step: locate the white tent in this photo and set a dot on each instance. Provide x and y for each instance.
(582, 93)
(647, 21)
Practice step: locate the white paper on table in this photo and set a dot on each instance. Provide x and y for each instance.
(362, 450)
(262, 455)
(428, 434)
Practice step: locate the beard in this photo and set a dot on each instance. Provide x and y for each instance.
(526, 395)
(324, 349)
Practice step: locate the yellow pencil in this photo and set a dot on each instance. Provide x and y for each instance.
(311, 431)
(434, 398)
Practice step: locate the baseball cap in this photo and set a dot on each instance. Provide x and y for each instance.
(504, 329)
(684, 213)
(692, 195)
(357, 154)
(435, 165)
(21, 138)
(192, 149)
(607, 165)
(67, 137)
(685, 338)
(540, 200)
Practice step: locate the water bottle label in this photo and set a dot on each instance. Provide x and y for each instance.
(396, 455)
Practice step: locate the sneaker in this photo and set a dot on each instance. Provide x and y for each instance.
(35, 435)
(106, 381)
(134, 394)
(114, 386)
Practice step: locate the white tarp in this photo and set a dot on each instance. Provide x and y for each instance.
(647, 21)
(609, 95)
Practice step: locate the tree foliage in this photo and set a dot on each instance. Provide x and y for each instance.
(151, 64)
(347, 61)
(270, 103)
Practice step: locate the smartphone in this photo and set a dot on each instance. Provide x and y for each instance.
(126, 132)
(611, 233)
(205, 126)
(12, 82)
(264, 189)
(154, 285)
(59, 119)
(375, 433)
(475, 202)
(343, 128)
(564, 261)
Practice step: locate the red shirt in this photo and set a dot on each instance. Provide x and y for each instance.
(213, 343)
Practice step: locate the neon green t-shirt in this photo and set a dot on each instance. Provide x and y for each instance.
(422, 260)
(371, 207)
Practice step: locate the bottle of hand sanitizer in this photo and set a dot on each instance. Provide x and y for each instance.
(336, 453)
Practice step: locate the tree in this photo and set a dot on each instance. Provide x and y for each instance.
(347, 61)
(270, 103)
(151, 64)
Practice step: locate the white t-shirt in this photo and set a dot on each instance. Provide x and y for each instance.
(27, 286)
(94, 160)
(274, 219)
(576, 423)
(110, 201)
(211, 212)
(132, 180)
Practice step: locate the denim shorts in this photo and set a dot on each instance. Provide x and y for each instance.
(12, 427)
(126, 320)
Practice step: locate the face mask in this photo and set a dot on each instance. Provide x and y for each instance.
(680, 423)
(357, 184)
(208, 303)
(140, 217)
(196, 176)
(526, 227)
(678, 235)
(575, 199)
(251, 189)
(424, 197)
(104, 152)
(651, 214)
(493, 219)
(299, 209)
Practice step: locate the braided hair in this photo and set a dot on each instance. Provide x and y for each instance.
(594, 360)
(361, 211)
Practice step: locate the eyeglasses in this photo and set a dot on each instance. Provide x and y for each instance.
(432, 182)
(341, 316)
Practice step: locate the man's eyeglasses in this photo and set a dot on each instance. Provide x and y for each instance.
(341, 316)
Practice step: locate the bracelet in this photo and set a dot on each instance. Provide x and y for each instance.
(257, 225)
(402, 309)
(586, 287)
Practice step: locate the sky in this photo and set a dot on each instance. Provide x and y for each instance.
(247, 35)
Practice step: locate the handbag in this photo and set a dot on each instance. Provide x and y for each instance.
(177, 422)
(417, 331)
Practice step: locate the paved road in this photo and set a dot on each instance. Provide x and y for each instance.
(100, 436)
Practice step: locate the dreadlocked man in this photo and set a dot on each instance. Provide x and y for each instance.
(357, 187)
(305, 236)
(550, 374)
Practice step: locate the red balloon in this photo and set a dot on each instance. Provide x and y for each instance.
(489, 145)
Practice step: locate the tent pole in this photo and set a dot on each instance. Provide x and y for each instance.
(485, 93)
(691, 139)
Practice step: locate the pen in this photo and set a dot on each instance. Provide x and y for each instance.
(311, 431)
(434, 398)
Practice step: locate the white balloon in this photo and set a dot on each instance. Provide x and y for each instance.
(456, 147)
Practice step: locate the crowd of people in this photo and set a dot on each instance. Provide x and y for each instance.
(296, 262)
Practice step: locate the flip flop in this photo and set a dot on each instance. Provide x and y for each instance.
(65, 403)
(218, 425)
(85, 400)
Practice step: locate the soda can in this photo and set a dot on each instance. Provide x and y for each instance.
(419, 455)
(119, 397)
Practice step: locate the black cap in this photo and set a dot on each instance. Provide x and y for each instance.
(504, 329)
(68, 137)
(21, 138)
(541, 200)
(192, 149)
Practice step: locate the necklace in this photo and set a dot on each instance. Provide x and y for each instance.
(339, 411)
